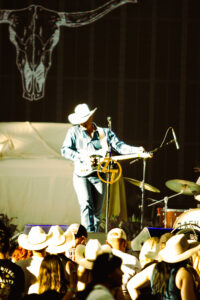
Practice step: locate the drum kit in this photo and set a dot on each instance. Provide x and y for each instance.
(173, 217)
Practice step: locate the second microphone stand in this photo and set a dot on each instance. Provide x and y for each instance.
(143, 182)
(108, 177)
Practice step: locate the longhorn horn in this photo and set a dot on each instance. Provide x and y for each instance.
(77, 19)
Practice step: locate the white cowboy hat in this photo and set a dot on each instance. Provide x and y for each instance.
(81, 114)
(86, 255)
(58, 241)
(178, 248)
(36, 239)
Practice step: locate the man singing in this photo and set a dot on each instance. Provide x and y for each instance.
(82, 142)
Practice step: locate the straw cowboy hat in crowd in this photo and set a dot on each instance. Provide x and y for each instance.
(59, 242)
(85, 255)
(178, 248)
(81, 114)
(36, 239)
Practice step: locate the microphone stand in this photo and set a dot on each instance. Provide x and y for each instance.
(164, 145)
(143, 182)
(108, 177)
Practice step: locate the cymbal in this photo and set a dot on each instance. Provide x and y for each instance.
(139, 184)
(184, 186)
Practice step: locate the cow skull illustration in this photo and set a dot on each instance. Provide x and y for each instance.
(35, 31)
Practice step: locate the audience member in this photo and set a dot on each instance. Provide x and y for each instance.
(37, 241)
(171, 278)
(151, 245)
(85, 255)
(20, 254)
(58, 241)
(51, 276)
(58, 244)
(147, 256)
(79, 237)
(107, 278)
(192, 233)
(117, 240)
(11, 275)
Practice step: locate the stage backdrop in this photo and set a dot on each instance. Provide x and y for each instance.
(36, 184)
(138, 63)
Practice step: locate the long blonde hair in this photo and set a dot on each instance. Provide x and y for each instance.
(51, 275)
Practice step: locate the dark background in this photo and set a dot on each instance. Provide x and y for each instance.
(140, 64)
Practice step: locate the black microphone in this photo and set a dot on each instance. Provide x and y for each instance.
(175, 139)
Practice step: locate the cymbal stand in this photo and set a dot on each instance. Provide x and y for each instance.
(165, 211)
(142, 191)
(165, 200)
(142, 195)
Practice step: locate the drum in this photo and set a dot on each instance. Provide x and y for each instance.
(171, 216)
(191, 216)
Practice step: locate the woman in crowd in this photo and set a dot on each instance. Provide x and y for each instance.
(171, 278)
(193, 233)
(51, 277)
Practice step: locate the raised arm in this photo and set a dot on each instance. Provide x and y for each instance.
(140, 280)
(185, 283)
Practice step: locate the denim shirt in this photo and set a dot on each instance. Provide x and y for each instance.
(77, 140)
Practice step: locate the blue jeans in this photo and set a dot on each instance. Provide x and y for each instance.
(90, 191)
